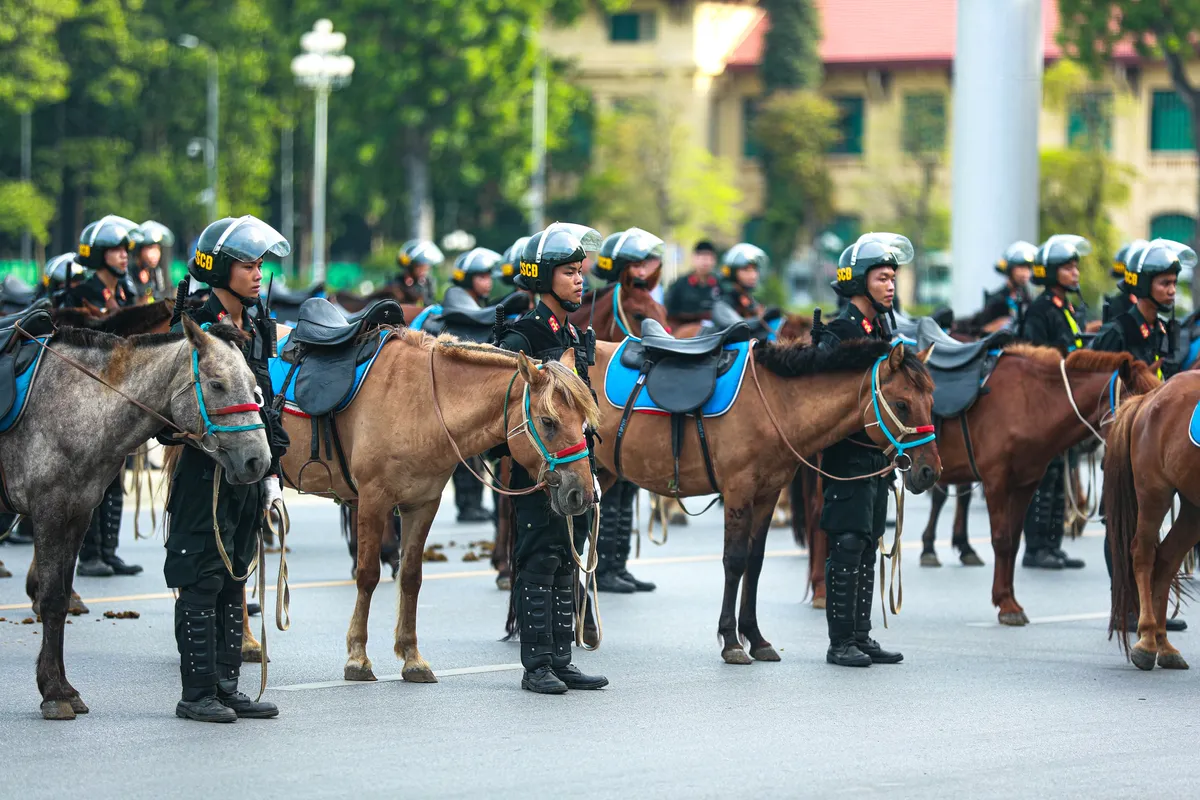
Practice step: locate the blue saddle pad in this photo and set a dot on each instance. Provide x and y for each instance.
(619, 381)
(280, 368)
(1194, 426)
(428, 311)
(24, 381)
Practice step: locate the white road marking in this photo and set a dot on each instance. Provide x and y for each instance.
(445, 673)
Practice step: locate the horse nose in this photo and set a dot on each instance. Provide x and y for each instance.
(575, 498)
(254, 466)
(926, 475)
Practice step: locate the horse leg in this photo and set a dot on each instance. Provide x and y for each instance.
(1171, 552)
(818, 542)
(372, 525)
(1006, 510)
(416, 530)
(760, 648)
(937, 499)
(75, 607)
(56, 572)
(960, 541)
(738, 527)
(504, 531)
(4, 573)
(1145, 546)
(252, 652)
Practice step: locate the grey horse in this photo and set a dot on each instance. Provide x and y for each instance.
(74, 436)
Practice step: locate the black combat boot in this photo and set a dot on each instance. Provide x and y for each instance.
(110, 529)
(629, 497)
(229, 662)
(196, 635)
(468, 495)
(1058, 514)
(91, 564)
(535, 601)
(1039, 522)
(564, 627)
(862, 613)
(841, 599)
(609, 546)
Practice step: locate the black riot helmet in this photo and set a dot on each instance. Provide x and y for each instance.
(509, 265)
(61, 268)
(415, 252)
(871, 251)
(99, 237)
(1121, 259)
(743, 255)
(479, 261)
(230, 240)
(624, 248)
(1018, 254)
(1057, 251)
(561, 243)
(151, 233)
(1148, 260)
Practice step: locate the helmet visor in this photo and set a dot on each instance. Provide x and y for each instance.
(111, 231)
(249, 239)
(899, 246)
(151, 232)
(638, 245)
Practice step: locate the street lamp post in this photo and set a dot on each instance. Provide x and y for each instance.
(214, 105)
(322, 67)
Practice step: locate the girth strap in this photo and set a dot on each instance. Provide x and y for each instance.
(966, 432)
(627, 414)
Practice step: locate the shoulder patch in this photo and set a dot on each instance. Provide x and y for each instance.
(1057, 301)
(553, 322)
(867, 326)
(1145, 331)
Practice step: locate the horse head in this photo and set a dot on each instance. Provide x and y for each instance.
(221, 400)
(901, 414)
(557, 407)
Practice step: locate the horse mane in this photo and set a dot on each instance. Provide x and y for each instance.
(562, 378)
(1046, 356)
(1144, 378)
(796, 360)
(91, 339)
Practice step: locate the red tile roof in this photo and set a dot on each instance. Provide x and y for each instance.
(859, 33)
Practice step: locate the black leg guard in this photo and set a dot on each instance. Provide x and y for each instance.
(196, 636)
(862, 613)
(91, 565)
(1039, 520)
(628, 498)
(468, 494)
(535, 612)
(841, 590)
(564, 625)
(110, 511)
(229, 657)
(1058, 515)
(609, 545)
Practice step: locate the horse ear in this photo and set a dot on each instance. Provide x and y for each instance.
(568, 359)
(896, 357)
(925, 354)
(1125, 373)
(195, 335)
(529, 373)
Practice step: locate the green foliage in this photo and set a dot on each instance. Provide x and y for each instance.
(924, 133)
(791, 47)
(32, 69)
(22, 206)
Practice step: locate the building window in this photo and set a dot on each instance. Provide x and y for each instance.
(1170, 123)
(633, 27)
(1089, 121)
(850, 125)
(750, 145)
(924, 123)
(1178, 227)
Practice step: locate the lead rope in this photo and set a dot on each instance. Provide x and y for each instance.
(895, 595)
(141, 468)
(589, 583)
(662, 515)
(1062, 368)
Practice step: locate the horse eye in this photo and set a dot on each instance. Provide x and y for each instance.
(216, 386)
(640, 317)
(548, 424)
(902, 406)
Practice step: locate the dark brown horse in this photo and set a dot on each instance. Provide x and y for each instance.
(1149, 461)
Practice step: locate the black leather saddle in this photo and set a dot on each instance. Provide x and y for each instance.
(16, 292)
(17, 354)
(958, 368)
(471, 323)
(660, 345)
(321, 325)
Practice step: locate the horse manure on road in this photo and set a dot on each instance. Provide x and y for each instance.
(122, 615)
(434, 553)
(470, 556)
(28, 621)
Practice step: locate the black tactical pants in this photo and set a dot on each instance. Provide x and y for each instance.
(1044, 517)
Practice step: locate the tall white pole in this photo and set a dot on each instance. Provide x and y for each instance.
(214, 110)
(27, 177)
(537, 208)
(318, 200)
(997, 99)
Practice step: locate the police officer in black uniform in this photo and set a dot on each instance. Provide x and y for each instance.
(471, 283)
(418, 258)
(62, 272)
(740, 271)
(855, 511)
(104, 249)
(504, 275)
(637, 253)
(1053, 321)
(1011, 300)
(149, 240)
(691, 299)
(551, 264)
(208, 611)
(1117, 304)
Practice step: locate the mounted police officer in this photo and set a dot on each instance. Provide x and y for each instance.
(149, 240)
(636, 253)
(855, 511)
(417, 259)
(552, 265)
(471, 283)
(1117, 304)
(60, 273)
(1011, 300)
(1053, 321)
(740, 270)
(208, 611)
(691, 299)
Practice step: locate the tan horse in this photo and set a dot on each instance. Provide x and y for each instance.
(400, 455)
(817, 397)
(1149, 461)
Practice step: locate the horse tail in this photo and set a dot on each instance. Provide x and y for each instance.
(1121, 511)
(346, 520)
(796, 498)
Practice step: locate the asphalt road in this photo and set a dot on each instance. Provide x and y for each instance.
(975, 710)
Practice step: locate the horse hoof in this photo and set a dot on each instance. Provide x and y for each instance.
(971, 559)
(930, 560)
(1142, 659)
(504, 583)
(358, 672)
(253, 656)
(765, 653)
(735, 655)
(1015, 618)
(4, 573)
(819, 602)
(420, 673)
(591, 636)
(77, 607)
(77, 705)
(1171, 661)
(57, 709)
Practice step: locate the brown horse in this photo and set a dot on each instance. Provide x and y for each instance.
(810, 398)
(1149, 461)
(406, 466)
(129, 321)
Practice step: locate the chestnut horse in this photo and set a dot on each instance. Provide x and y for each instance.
(1149, 461)
(484, 393)
(810, 398)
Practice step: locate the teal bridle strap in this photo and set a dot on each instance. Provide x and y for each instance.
(616, 311)
(904, 431)
(573, 453)
(211, 427)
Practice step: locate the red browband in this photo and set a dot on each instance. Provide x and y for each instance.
(572, 450)
(925, 429)
(240, 409)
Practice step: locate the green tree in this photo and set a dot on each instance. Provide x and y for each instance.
(924, 141)
(32, 69)
(791, 46)
(1091, 29)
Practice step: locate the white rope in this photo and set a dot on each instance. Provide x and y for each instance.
(1062, 367)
